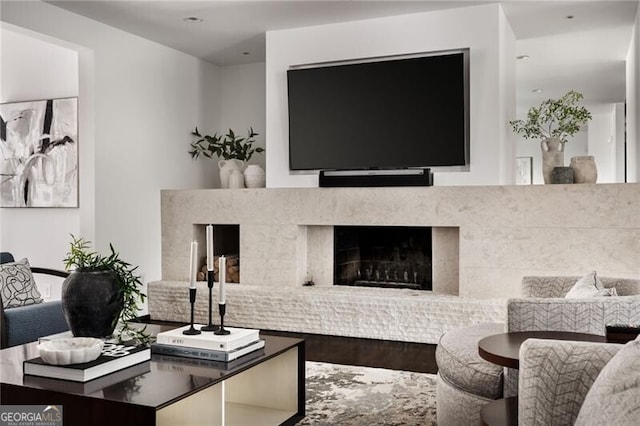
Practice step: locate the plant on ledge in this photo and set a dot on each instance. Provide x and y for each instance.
(101, 293)
(227, 146)
(553, 122)
(559, 118)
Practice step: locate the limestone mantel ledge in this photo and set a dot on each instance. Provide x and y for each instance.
(486, 238)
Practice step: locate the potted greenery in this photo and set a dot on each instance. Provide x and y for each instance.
(553, 122)
(234, 152)
(100, 293)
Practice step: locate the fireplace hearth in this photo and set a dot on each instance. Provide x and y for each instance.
(383, 256)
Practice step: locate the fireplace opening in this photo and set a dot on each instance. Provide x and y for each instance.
(383, 256)
(226, 241)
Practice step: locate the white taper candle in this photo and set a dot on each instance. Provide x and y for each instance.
(223, 276)
(193, 264)
(209, 248)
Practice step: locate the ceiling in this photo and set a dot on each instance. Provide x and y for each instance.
(585, 53)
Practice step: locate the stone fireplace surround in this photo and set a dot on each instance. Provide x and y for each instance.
(485, 239)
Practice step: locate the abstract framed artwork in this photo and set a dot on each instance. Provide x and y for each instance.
(524, 170)
(39, 153)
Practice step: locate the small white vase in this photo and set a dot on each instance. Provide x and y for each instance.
(226, 169)
(254, 176)
(236, 179)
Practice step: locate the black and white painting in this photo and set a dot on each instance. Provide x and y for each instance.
(39, 153)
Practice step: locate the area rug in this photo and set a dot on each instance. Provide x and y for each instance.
(349, 395)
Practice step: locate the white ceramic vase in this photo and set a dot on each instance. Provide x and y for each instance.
(236, 179)
(227, 167)
(254, 176)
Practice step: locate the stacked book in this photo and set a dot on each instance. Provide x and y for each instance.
(209, 346)
(114, 357)
(91, 386)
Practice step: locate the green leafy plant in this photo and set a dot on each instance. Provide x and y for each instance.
(82, 259)
(227, 146)
(559, 118)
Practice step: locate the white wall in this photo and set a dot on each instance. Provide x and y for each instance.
(480, 28)
(33, 69)
(139, 100)
(602, 142)
(507, 96)
(239, 105)
(633, 109)
(620, 142)
(23, 78)
(243, 100)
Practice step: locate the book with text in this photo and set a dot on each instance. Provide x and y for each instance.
(200, 366)
(92, 386)
(238, 338)
(212, 355)
(114, 357)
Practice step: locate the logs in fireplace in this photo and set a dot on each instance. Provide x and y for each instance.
(383, 256)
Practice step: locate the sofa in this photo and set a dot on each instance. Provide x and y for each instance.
(466, 382)
(581, 383)
(25, 324)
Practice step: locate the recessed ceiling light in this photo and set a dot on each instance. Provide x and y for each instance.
(193, 19)
(537, 90)
(522, 57)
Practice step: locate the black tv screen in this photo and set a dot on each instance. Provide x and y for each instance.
(386, 114)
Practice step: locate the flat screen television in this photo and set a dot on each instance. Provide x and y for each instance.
(380, 114)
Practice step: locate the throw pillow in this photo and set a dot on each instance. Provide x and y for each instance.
(17, 286)
(589, 286)
(614, 397)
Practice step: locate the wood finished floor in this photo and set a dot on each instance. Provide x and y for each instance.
(418, 357)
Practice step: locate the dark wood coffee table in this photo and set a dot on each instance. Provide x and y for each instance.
(267, 389)
(503, 349)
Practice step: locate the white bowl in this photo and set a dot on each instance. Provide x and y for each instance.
(74, 350)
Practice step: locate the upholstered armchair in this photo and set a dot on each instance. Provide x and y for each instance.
(544, 307)
(581, 383)
(24, 324)
(467, 382)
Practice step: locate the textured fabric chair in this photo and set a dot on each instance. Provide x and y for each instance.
(25, 324)
(581, 383)
(465, 382)
(542, 308)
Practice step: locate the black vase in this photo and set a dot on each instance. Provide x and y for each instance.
(92, 302)
(562, 175)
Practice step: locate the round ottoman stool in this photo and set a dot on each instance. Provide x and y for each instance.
(465, 382)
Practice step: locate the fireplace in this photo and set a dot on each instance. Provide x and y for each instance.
(383, 256)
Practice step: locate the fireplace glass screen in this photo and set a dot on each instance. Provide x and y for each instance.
(383, 256)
